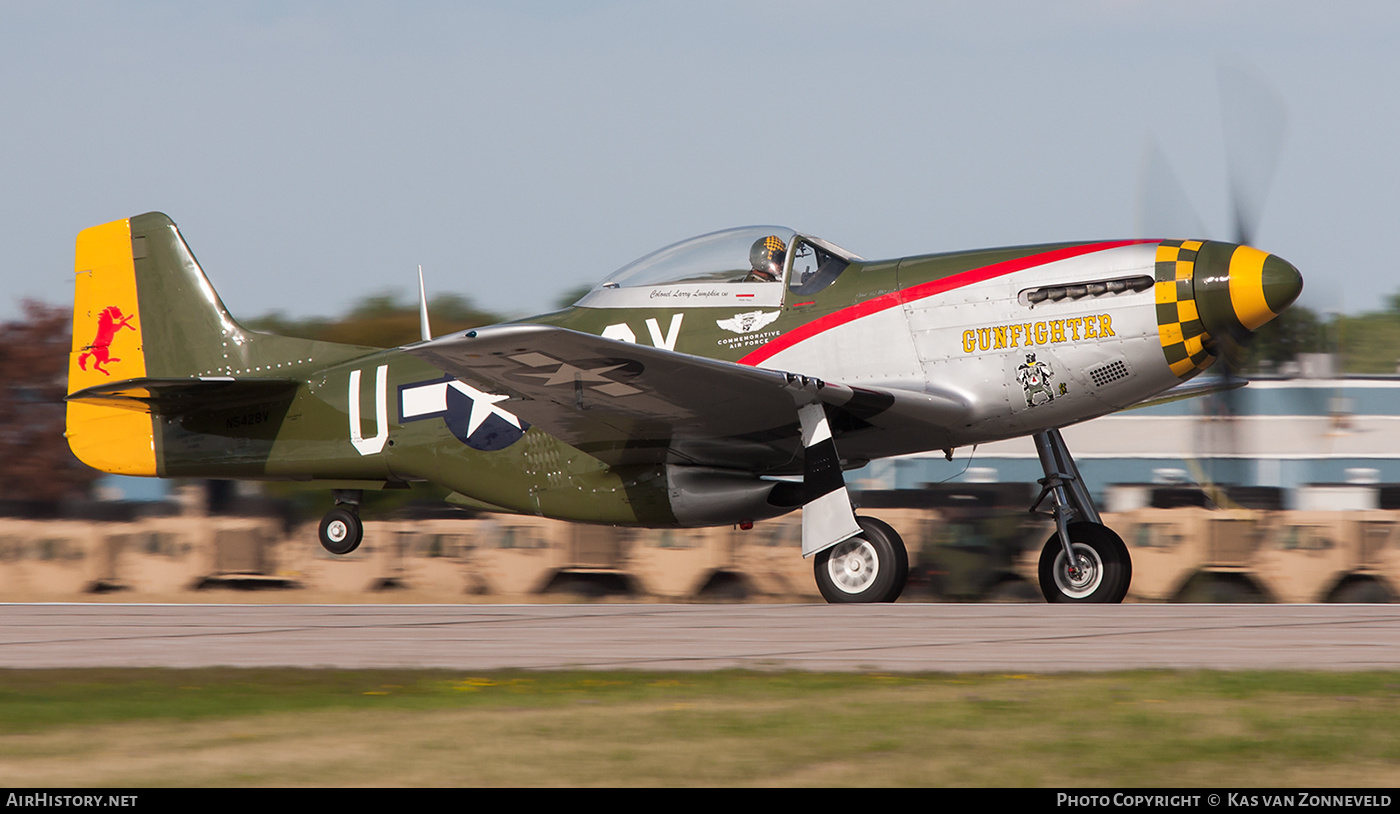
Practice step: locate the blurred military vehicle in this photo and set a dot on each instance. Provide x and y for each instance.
(965, 538)
(968, 542)
(1186, 549)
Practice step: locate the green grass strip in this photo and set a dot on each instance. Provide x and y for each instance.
(134, 727)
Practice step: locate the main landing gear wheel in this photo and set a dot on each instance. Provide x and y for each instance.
(1101, 570)
(869, 567)
(341, 531)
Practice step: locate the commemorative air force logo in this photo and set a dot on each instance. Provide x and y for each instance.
(99, 350)
(1035, 380)
(471, 415)
(748, 321)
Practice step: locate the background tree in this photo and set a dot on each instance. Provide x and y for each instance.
(1370, 342)
(1297, 330)
(382, 321)
(35, 462)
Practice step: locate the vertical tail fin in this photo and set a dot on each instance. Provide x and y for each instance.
(186, 330)
(145, 314)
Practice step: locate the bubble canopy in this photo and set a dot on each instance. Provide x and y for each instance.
(714, 271)
(713, 258)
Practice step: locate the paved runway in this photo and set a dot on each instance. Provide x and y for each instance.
(904, 637)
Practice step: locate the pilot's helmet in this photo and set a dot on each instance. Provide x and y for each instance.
(766, 257)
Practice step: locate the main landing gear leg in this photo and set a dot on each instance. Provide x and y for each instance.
(341, 529)
(1084, 561)
(855, 559)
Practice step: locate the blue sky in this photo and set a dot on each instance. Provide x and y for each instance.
(317, 152)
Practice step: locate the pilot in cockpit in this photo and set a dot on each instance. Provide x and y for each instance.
(766, 257)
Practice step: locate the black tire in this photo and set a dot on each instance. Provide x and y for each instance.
(1108, 570)
(872, 566)
(341, 531)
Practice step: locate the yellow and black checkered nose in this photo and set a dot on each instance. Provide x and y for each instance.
(1212, 296)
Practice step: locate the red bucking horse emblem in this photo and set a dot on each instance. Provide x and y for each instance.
(108, 323)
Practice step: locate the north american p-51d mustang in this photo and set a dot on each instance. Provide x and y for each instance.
(722, 380)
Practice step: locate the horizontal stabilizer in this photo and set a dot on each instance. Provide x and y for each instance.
(176, 396)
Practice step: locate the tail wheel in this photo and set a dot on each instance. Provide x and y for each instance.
(869, 567)
(1101, 570)
(341, 531)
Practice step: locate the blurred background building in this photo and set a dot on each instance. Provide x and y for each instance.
(1289, 434)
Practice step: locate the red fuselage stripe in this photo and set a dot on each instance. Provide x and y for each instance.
(920, 291)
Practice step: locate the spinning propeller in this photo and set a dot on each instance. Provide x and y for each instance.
(1256, 285)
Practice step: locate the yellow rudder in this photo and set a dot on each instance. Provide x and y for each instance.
(107, 348)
